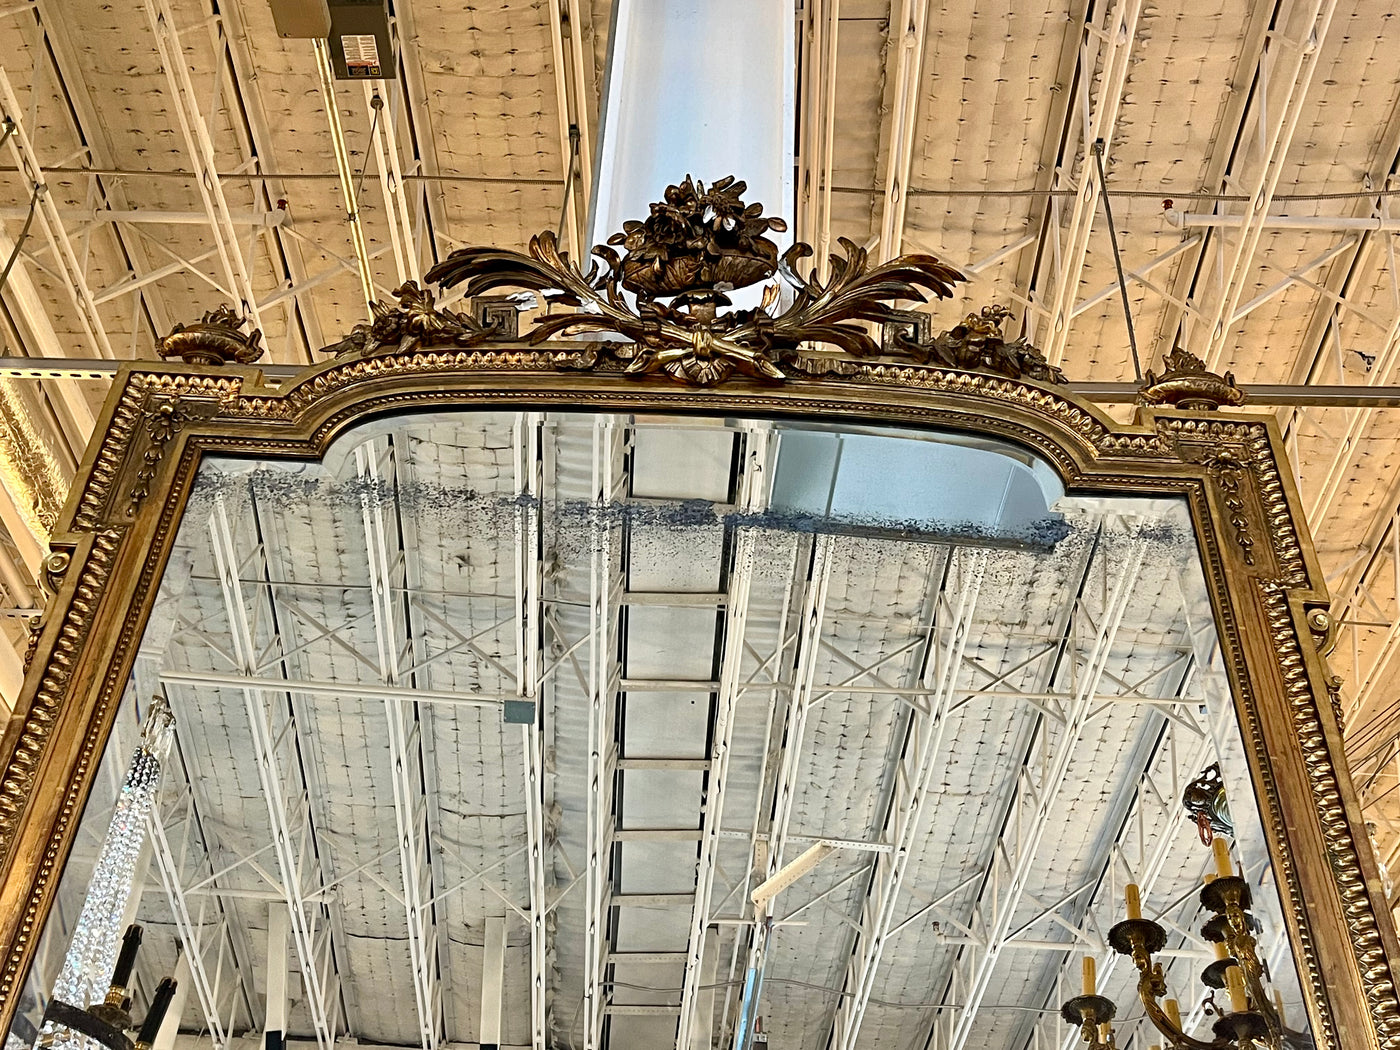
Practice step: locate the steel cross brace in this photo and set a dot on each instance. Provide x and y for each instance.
(752, 498)
(205, 988)
(265, 742)
(917, 764)
(391, 184)
(1347, 446)
(907, 35)
(1162, 847)
(384, 549)
(822, 23)
(1045, 796)
(571, 93)
(1298, 77)
(52, 224)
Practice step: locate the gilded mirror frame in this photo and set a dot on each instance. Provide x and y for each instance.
(1267, 591)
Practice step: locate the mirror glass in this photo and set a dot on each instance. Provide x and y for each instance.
(486, 700)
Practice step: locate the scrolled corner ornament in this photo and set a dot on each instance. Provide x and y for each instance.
(977, 345)
(1189, 384)
(413, 321)
(216, 339)
(697, 245)
(55, 567)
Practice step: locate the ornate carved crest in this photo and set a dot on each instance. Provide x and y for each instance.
(666, 299)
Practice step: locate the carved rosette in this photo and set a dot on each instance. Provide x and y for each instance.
(217, 339)
(1189, 384)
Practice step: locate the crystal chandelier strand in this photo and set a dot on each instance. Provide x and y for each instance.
(92, 953)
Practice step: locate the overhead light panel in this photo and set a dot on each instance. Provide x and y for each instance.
(360, 45)
(301, 19)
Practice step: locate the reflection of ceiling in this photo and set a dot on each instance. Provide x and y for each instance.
(994, 741)
(1292, 105)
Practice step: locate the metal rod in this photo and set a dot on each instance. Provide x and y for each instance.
(1118, 263)
(1270, 395)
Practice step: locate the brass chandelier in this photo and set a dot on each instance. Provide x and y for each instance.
(1254, 1019)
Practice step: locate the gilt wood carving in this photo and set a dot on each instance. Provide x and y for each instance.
(814, 357)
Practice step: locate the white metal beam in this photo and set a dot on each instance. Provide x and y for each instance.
(493, 974)
(275, 1017)
(816, 134)
(795, 725)
(908, 27)
(1296, 75)
(604, 679)
(571, 101)
(229, 32)
(205, 985)
(529, 668)
(389, 168)
(1040, 799)
(321, 987)
(348, 191)
(50, 222)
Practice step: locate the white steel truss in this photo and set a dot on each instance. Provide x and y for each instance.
(199, 144)
(907, 33)
(384, 549)
(752, 498)
(800, 701)
(604, 682)
(1275, 136)
(313, 944)
(51, 223)
(917, 763)
(1113, 46)
(530, 686)
(1034, 802)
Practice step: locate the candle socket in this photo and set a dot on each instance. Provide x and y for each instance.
(1087, 1013)
(1137, 939)
(1228, 891)
(126, 960)
(155, 1016)
(1240, 1027)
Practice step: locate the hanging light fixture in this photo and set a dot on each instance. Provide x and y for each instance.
(90, 1004)
(1254, 1019)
